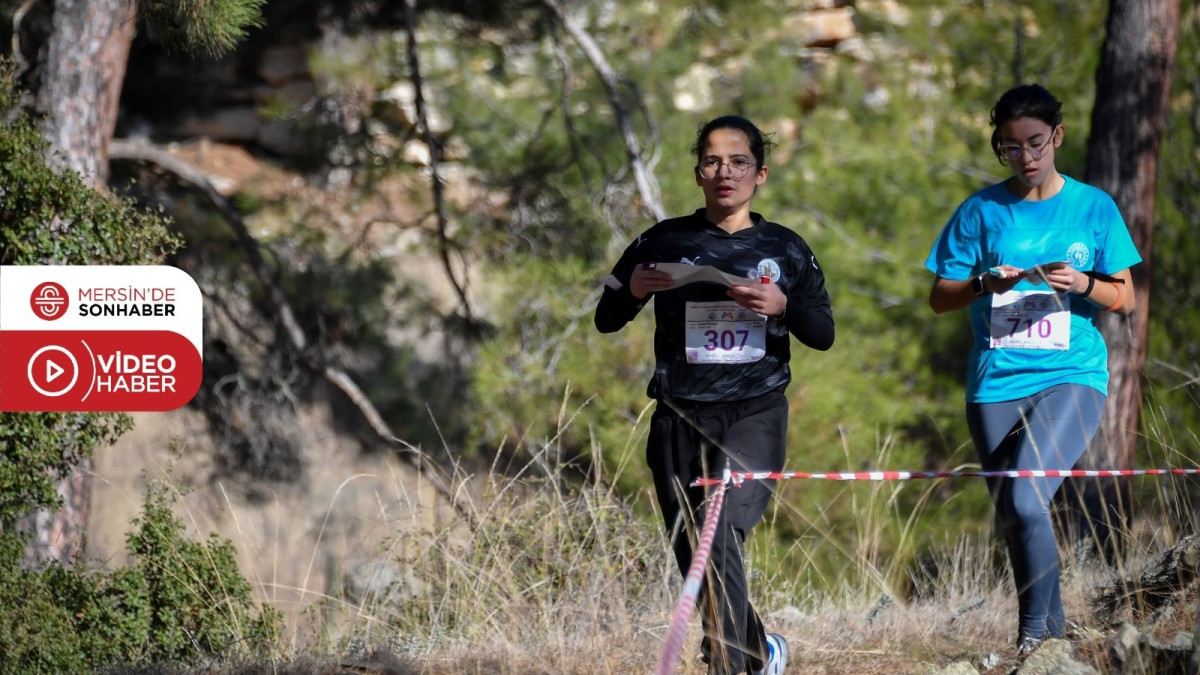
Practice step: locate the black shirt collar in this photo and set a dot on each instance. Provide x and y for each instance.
(756, 221)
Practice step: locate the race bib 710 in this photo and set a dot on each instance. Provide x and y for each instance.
(1031, 320)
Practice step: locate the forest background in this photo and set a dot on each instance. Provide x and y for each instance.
(463, 312)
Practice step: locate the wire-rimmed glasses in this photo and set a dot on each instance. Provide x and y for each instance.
(1013, 152)
(738, 167)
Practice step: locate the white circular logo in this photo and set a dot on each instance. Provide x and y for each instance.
(770, 269)
(49, 301)
(47, 371)
(1078, 255)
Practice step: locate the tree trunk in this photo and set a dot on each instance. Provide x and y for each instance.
(1133, 82)
(85, 68)
(58, 535)
(88, 51)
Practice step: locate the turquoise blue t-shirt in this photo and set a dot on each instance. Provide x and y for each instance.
(1081, 225)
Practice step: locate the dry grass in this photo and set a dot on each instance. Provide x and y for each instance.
(561, 577)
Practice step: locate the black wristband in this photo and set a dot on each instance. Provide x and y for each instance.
(978, 287)
(1091, 284)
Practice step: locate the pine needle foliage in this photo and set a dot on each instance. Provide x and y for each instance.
(211, 27)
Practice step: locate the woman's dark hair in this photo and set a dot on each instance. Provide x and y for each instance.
(1027, 100)
(760, 143)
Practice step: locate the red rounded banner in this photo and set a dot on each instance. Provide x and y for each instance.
(94, 371)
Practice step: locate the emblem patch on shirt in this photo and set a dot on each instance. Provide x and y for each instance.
(768, 268)
(1078, 255)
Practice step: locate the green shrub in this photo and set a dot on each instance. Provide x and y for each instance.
(180, 601)
(197, 601)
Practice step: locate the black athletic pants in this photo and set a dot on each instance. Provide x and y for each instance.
(688, 441)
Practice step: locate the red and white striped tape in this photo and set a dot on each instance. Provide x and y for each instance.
(695, 575)
(691, 585)
(738, 476)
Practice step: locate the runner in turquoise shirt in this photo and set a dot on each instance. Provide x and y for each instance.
(1080, 225)
(1035, 259)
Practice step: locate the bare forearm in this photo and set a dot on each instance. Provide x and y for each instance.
(948, 296)
(1112, 296)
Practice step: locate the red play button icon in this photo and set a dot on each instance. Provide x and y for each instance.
(52, 370)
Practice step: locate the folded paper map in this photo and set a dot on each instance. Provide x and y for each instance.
(1036, 272)
(683, 274)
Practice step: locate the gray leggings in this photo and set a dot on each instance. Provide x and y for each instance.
(1048, 430)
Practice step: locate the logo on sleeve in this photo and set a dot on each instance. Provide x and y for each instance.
(1078, 255)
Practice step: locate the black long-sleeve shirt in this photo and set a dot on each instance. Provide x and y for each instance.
(707, 349)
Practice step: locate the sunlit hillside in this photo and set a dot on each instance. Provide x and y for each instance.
(422, 456)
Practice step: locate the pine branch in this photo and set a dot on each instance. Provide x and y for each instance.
(644, 177)
(435, 155)
(212, 27)
(143, 152)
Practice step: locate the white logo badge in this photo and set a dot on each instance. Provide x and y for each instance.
(770, 269)
(1078, 255)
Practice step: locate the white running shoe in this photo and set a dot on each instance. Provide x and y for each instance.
(1028, 645)
(777, 655)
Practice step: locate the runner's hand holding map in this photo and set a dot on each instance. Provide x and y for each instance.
(1035, 273)
(683, 274)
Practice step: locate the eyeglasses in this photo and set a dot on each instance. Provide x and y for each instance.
(1013, 152)
(738, 167)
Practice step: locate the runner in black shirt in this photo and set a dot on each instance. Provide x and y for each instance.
(721, 366)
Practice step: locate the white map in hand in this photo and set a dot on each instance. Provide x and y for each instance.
(682, 274)
(1037, 274)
